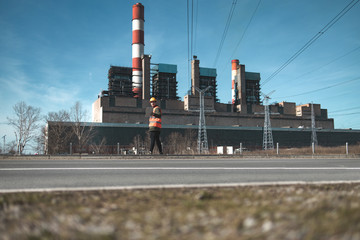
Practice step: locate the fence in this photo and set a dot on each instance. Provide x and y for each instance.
(241, 149)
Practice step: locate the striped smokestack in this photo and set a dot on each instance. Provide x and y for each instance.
(234, 66)
(137, 47)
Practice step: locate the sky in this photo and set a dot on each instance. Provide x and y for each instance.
(55, 53)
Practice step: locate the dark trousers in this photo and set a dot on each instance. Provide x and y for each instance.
(155, 137)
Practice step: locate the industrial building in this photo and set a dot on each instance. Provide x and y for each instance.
(159, 80)
(245, 111)
(124, 108)
(164, 84)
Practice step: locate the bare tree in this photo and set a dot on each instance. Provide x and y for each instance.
(25, 124)
(98, 147)
(82, 130)
(190, 141)
(11, 147)
(56, 135)
(175, 143)
(60, 116)
(181, 144)
(141, 144)
(40, 141)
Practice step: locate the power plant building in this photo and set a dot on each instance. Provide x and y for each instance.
(126, 102)
(120, 105)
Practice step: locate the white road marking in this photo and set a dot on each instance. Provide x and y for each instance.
(181, 168)
(175, 186)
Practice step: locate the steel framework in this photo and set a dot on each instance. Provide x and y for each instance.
(203, 146)
(313, 128)
(268, 142)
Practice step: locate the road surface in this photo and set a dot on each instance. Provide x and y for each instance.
(31, 175)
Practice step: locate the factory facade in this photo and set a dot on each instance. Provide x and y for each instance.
(118, 105)
(129, 91)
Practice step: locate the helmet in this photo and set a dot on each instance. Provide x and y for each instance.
(152, 99)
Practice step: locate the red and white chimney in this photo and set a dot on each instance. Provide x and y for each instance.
(234, 66)
(137, 48)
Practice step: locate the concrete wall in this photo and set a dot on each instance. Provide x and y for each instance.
(97, 111)
(125, 102)
(289, 108)
(125, 111)
(193, 102)
(222, 107)
(305, 110)
(217, 136)
(174, 104)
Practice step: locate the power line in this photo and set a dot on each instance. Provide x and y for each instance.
(320, 89)
(345, 114)
(242, 36)
(192, 28)
(246, 28)
(332, 61)
(344, 110)
(190, 34)
(196, 22)
(227, 25)
(313, 39)
(188, 40)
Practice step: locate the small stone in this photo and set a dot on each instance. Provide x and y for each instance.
(249, 222)
(267, 226)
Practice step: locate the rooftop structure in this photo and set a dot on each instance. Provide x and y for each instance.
(164, 84)
(245, 88)
(202, 78)
(120, 83)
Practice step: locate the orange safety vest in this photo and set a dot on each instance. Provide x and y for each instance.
(154, 121)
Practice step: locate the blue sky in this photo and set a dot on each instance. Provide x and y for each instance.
(54, 53)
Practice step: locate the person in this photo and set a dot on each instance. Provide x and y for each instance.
(155, 126)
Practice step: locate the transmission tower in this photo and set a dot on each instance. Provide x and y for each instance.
(313, 129)
(203, 146)
(268, 142)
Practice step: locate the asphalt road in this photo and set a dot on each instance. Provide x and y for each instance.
(25, 175)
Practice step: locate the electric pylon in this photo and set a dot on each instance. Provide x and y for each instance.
(268, 142)
(203, 146)
(313, 128)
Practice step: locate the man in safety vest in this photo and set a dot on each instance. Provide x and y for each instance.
(155, 126)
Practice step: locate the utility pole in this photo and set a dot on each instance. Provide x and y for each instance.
(313, 128)
(203, 146)
(268, 142)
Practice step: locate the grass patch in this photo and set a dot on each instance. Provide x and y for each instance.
(319, 150)
(258, 212)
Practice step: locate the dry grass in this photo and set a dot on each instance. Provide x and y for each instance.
(262, 212)
(319, 150)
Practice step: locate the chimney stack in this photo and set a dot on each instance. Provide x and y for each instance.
(234, 67)
(137, 48)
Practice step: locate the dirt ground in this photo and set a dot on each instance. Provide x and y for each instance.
(330, 211)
